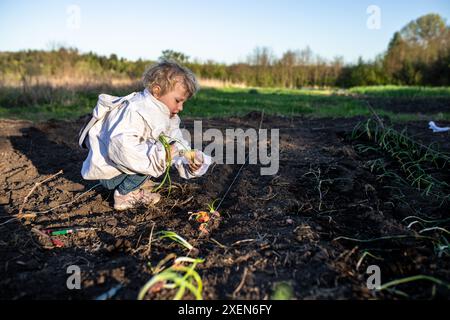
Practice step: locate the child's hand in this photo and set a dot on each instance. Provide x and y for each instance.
(195, 159)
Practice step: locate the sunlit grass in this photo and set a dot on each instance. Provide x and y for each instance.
(391, 91)
(225, 102)
(180, 276)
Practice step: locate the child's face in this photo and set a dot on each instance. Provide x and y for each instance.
(173, 99)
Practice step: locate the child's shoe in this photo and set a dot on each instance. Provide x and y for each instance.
(131, 199)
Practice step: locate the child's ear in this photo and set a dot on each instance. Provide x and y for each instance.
(156, 90)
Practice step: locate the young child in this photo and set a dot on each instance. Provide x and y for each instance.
(123, 136)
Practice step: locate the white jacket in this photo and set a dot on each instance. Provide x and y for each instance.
(122, 137)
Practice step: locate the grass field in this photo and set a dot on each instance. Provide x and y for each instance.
(43, 103)
(402, 91)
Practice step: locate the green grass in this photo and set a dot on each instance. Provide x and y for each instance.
(42, 103)
(71, 104)
(46, 112)
(310, 103)
(402, 91)
(282, 291)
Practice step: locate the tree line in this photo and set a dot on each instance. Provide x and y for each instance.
(418, 54)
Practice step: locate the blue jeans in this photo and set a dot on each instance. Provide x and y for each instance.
(124, 183)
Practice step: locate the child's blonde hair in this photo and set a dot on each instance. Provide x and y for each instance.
(166, 74)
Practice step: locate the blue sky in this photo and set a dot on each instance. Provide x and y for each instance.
(225, 31)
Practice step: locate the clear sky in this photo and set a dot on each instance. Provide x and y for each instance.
(225, 31)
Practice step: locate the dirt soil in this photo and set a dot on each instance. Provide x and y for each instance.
(279, 228)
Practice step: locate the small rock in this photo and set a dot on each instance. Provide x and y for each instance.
(268, 253)
(119, 243)
(74, 187)
(5, 198)
(101, 279)
(112, 222)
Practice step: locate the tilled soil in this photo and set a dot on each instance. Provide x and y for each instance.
(272, 229)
